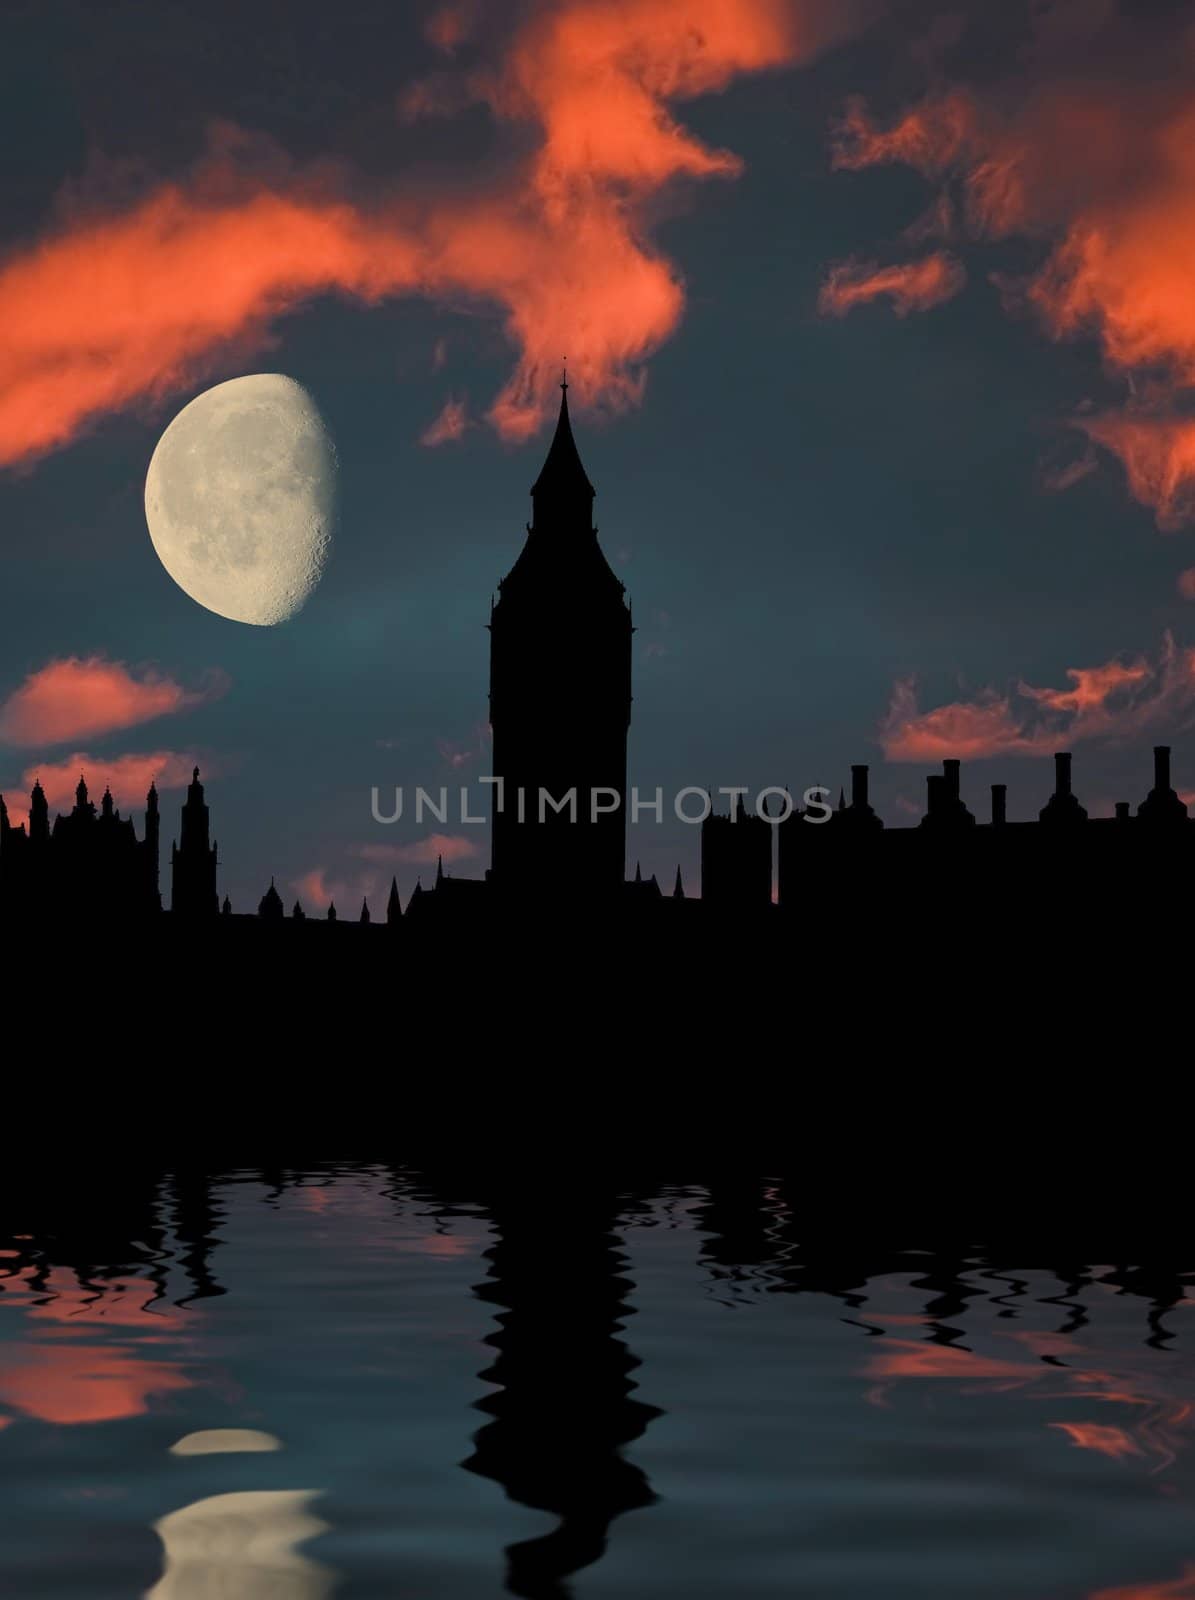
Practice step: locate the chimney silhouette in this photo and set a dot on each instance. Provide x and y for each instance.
(1062, 806)
(950, 781)
(859, 788)
(999, 804)
(1161, 766)
(1122, 811)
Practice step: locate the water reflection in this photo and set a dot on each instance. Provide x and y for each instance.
(111, 1294)
(242, 1546)
(61, 1372)
(563, 1411)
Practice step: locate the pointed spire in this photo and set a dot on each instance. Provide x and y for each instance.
(638, 873)
(270, 905)
(151, 799)
(393, 904)
(106, 802)
(331, 911)
(298, 914)
(439, 871)
(226, 908)
(842, 799)
(365, 916)
(562, 493)
(81, 792)
(678, 888)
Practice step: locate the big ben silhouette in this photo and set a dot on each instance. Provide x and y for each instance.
(560, 696)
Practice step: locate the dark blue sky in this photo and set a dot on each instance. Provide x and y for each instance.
(804, 508)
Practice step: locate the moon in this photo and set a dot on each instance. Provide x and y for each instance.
(240, 498)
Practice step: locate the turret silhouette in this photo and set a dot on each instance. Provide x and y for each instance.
(560, 695)
(193, 859)
(271, 906)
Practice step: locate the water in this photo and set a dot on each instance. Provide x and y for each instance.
(588, 1391)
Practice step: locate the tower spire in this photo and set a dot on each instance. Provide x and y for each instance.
(562, 495)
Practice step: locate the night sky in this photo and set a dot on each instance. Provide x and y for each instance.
(881, 333)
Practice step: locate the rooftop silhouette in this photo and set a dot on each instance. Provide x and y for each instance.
(560, 710)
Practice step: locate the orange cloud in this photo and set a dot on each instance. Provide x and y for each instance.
(448, 426)
(1186, 583)
(422, 852)
(1100, 166)
(128, 777)
(929, 137)
(1117, 700)
(75, 698)
(1158, 455)
(108, 310)
(1181, 1588)
(911, 286)
(450, 26)
(317, 890)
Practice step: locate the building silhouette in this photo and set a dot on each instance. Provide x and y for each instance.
(193, 859)
(560, 709)
(560, 695)
(87, 862)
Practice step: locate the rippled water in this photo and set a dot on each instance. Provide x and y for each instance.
(441, 1391)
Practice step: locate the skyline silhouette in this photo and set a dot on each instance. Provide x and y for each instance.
(560, 632)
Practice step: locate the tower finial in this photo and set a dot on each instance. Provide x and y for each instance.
(564, 372)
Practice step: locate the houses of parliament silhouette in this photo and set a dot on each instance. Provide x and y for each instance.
(560, 710)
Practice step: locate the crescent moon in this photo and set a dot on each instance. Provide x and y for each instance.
(240, 498)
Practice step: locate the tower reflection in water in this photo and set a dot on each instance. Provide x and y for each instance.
(563, 1411)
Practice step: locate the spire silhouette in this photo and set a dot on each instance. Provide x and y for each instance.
(271, 906)
(562, 493)
(393, 904)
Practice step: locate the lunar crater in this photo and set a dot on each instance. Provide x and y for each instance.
(241, 498)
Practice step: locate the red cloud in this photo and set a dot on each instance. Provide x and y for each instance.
(128, 777)
(318, 890)
(1158, 453)
(1182, 1588)
(109, 309)
(1100, 165)
(1115, 701)
(1186, 583)
(78, 699)
(448, 426)
(912, 286)
(450, 26)
(423, 852)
